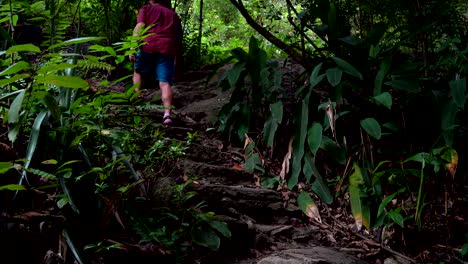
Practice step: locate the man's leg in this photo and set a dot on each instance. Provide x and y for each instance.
(137, 79)
(166, 95)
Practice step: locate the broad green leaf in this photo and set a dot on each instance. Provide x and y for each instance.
(13, 132)
(458, 92)
(385, 201)
(385, 99)
(314, 136)
(298, 144)
(271, 125)
(5, 166)
(359, 199)
(221, 227)
(23, 47)
(252, 162)
(334, 76)
(332, 20)
(14, 78)
(34, 138)
(449, 113)
(62, 202)
(12, 187)
(14, 20)
(379, 79)
(420, 157)
(15, 108)
(308, 166)
(51, 104)
(4, 35)
(269, 182)
(75, 41)
(314, 77)
(372, 127)
(234, 73)
(17, 67)
(55, 67)
(396, 217)
(63, 81)
(333, 150)
(205, 237)
(347, 67)
(464, 249)
(308, 206)
(410, 86)
(320, 188)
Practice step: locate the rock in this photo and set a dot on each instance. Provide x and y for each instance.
(309, 255)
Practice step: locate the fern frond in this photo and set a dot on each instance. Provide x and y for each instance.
(94, 65)
(41, 173)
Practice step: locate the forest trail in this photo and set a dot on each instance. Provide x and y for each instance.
(265, 228)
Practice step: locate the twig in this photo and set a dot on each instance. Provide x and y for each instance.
(389, 250)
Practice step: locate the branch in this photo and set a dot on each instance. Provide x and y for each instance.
(296, 27)
(296, 56)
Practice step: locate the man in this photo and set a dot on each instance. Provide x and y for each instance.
(162, 49)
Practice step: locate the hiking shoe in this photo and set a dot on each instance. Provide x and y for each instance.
(167, 120)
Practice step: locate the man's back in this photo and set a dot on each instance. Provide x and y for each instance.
(166, 29)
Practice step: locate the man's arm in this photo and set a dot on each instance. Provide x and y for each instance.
(136, 33)
(138, 29)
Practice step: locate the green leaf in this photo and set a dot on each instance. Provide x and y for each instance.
(62, 202)
(205, 237)
(14, 78)
(15, 108)
(358, 198)
(464, 249)
(320, 188)
(458, 92)
(34, 137)
(334, 76)
(396, 217)
(410, 86)
(252, 162)
(347, 67)
(385, 99)
(384, 203)
(23, 47)
(332, 149)
(221, 227)
(449, 113)
(332, 20)
(12, 187)
(314, 77)
(75, 41)
(271, 125)
(234, 74)
(298, 144)
(379, 79)
(308, 206)
(314, 136)
(308, 166)
(55, 67)
(5, 166)
(51, 103)
(17, 67)
(63, 81)
(372, 127)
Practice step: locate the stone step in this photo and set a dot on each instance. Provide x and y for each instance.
(216, 174)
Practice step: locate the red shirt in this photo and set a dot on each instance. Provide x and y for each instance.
(167, 29)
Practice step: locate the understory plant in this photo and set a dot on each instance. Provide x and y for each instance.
(374, 118)
(83, 149)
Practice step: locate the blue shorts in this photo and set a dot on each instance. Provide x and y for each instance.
(162, 65)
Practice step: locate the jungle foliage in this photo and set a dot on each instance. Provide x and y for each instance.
(378, 114)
